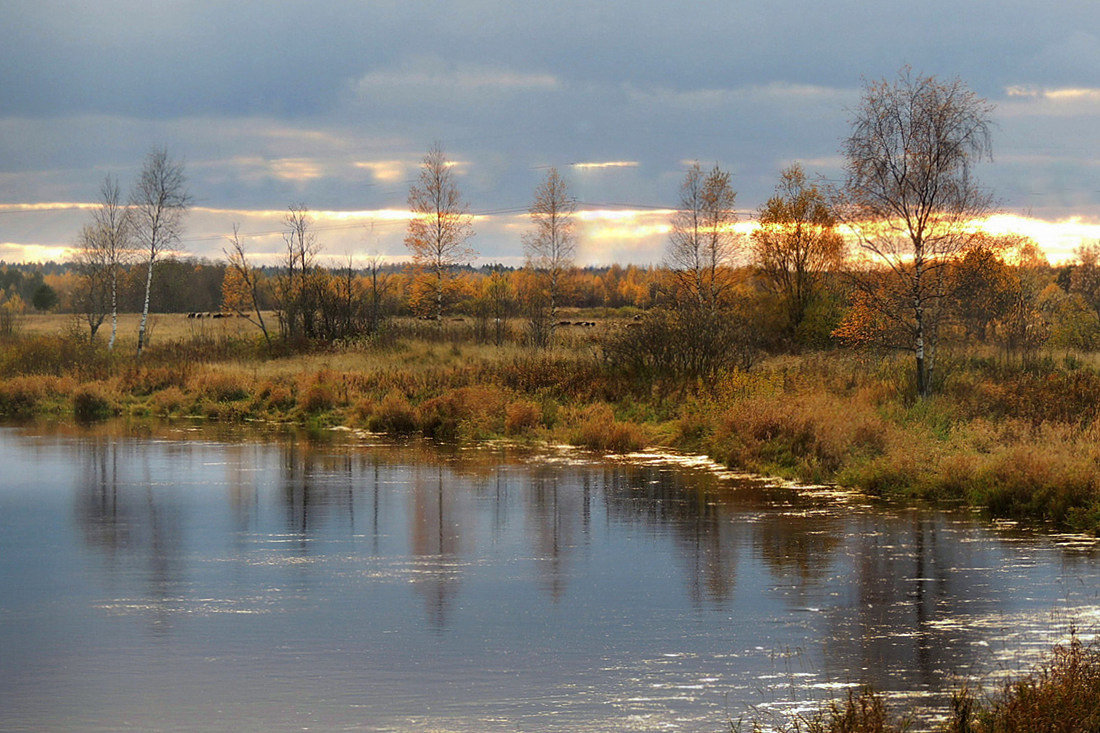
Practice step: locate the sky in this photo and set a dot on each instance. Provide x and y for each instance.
(333, 105)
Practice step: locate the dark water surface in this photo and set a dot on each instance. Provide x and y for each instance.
(188, 583)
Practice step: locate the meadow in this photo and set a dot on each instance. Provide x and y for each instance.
(1016, 438)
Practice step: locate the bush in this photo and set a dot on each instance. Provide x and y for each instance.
(169, 401)
(599, 430)
(393, 415)
(467, 411)
(19, 397)
(91, 404)
(145, 380)
(1062, 695)
(317, 397)
(222, 387)
(521, 417)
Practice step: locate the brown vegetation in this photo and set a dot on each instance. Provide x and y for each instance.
(1062, 695)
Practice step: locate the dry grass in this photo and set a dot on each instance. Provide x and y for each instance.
(1019, 439)
(1061, 696)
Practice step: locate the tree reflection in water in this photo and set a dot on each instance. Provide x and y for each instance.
(869, 595)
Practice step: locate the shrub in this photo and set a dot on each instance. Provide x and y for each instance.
(1062, 695)
(317, 397)
(521, 417)
(91, 404)
(19, 397)
(222, 387)
(599, 430)
(169, 401)
(393, 415)
(145, 380)
(273, 395)
(463, 412)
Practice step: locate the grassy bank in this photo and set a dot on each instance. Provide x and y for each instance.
(1020, 439)
(1062, 694)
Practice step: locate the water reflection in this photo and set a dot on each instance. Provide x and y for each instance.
(646, 589)
(435, 541)
(131, 523)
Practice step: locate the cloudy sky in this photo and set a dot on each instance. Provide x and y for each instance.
(332, 104)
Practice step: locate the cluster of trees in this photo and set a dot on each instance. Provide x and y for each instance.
(142, 227)
(891, 257)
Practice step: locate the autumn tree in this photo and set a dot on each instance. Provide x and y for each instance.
(378, 286)
(438, 231)
(549, 249)
(297, 287)
(910, 201)
(158, 207)
(240, 287)
(797, 244)
(1085, 277)
(102, 249)
(703, 328)
(703, 245)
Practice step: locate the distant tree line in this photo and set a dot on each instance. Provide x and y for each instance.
(889, 258)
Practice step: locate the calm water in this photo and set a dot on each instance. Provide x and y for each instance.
(186, 583)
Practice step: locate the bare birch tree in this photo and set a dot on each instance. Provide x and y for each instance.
(703, 245)
(103, 247)
(440, 226)
(297, 284)
(797, 243)
(378, 287)
(246, 277)
(92, 295)
(549, 249)
(158, 207)
(911, 201)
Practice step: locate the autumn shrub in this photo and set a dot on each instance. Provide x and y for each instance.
(393, 415)
(475, 411)
(143, 380)
(53, 354)
(20, 396)
(1046, 481)
(221, 386)
(318, 393)
(226, 410)
(1062, 694)
(168, 401)
(599, 430)
(91, 403)
(362, 410)
(274, 395)
(573, 379)
(522, 417)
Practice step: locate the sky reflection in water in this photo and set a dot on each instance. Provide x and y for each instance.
(190, 584)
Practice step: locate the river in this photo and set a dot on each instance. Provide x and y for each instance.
(178, 580)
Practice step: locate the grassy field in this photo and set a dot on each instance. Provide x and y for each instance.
(1017, 438)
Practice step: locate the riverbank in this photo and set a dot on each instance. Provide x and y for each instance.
(1061, 694)
(1016, 438)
